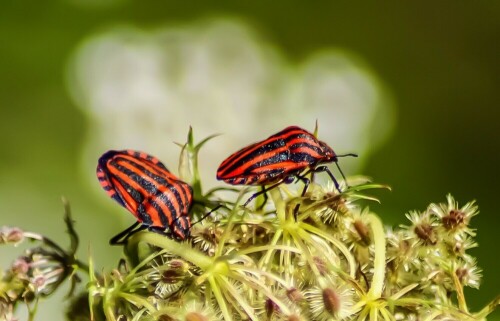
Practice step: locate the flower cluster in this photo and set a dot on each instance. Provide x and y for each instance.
(39, 271)
(332, 261)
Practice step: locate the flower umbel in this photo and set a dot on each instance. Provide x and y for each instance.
(336, 261)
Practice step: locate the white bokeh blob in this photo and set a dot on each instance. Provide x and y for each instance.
(143, 89)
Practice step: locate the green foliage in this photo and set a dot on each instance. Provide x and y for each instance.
(336, 262)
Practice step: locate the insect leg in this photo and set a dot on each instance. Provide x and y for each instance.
(327, 170)
(306, 182)
(261, 206)
(158, 229)
(125, 234)
(263, 191)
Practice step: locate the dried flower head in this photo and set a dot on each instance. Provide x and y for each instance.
(455, 219)
(424, 227)
(330, 302)
(468, 274)
(11, 235)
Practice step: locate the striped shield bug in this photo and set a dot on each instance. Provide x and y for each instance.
(144, 186)
(291, 153)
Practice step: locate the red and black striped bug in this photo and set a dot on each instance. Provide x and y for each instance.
(291, 153)
(144, 186)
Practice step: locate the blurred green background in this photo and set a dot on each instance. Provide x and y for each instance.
(438, 61)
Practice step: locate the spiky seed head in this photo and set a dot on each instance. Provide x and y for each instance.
(271, 308)
(321, 265)
(453, 219)
(331, 301)
(170, 276)
(426, 233)
(293, 317)
(20, 266)
(179, 265)
(363, 232)
(11, 235)
(165, 317)
(469, 274)
(195, 316)
(294, 295)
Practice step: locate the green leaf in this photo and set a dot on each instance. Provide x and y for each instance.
(73, 236)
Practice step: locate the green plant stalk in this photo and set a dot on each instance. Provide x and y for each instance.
(183, 250)
(377, 284)
(342, 248)
(264, 261)
(488, 309)
(236, 295)
(279, 203)
(137, 301)
(215, 289)
(32, 310)
(460, 293)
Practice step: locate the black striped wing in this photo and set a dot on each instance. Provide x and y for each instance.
(285, 153)
(143, 185)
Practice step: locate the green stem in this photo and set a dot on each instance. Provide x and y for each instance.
(488, 309)
(271, 276)
(386, 315)
(82, 266)
(403, 291)
(32, 310)
(342, 248)
(373, 314)
(462, 304)
(239, 299)
(264, 261)
(214, 287)
(261, 287)
(297, 239)
(268, 247)
(197, 190)
(183, 250)
(227, 232)
(109, 306)
(279, 203)
(137, 301)
(379, 259)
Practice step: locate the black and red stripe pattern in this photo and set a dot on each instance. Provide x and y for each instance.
(143, 185)
(284, 154)
(292, 153)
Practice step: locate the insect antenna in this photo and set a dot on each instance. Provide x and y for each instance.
(340, 170)
(347, 155)
(207, 214)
